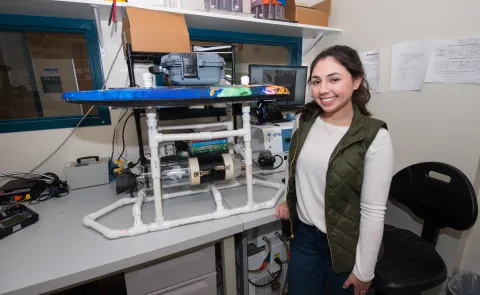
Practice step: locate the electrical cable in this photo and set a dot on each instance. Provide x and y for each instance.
(281, 162)
(273, 280)
(49, 188)
(114, 142)
(266, 261)
(64, 141)
(285, 284)
(136, 163)
(123, 135)
(83, 118)
(273, 168)
(42, 198)
(111, 66)
(287, 250)
(25, 173)
(117, 149)
(25, 178)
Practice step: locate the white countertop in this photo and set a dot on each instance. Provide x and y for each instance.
(59, 251)
(236, 199)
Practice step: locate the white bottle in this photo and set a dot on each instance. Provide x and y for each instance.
(245, 80)
(148, 80)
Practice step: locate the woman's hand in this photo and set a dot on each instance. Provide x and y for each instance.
(360, 287)
(282, 211)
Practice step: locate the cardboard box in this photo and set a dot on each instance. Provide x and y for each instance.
(311, 16)
(316, 15)
(155, 31)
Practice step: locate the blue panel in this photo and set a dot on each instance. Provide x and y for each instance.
(167, 96)
(53, 24)
(286, 137)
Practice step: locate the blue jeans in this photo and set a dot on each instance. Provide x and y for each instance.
(310, 269)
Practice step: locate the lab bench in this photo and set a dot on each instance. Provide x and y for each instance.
(59, 251)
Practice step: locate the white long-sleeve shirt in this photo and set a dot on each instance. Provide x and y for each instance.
(310, 178)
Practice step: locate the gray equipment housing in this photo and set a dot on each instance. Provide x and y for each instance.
(193, 69)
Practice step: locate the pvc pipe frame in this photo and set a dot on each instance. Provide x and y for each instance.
(160, 223)
(228, 125)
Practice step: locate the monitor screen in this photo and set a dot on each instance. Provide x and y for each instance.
(292, 77)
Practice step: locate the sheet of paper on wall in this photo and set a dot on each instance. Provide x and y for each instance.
(409, 65)
(371, 64)
(455, 61)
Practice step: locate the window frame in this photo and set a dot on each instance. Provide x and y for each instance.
(61, 25)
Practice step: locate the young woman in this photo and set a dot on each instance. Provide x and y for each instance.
(340, 169)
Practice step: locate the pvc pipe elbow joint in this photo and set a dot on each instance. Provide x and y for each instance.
(87, 220)
(221, 214)
(112, 234)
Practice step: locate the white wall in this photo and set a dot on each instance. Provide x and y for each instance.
(438, 123)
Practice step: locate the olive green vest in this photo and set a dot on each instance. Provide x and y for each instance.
(343, 185)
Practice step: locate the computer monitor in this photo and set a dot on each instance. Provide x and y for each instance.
(292, 77)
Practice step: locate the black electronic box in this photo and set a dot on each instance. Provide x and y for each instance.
(15, 218)
(20, 189)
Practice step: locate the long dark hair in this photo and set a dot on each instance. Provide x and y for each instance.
(349, 59)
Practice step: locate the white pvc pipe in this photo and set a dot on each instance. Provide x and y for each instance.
(268, 183)
(160, 224)
(160, 137)
(232, 185)
(248, 154)
(105, 231)
(138, 229)
(229, 126)
(99, 28)
(111, 207)
(217, 197)
(155, 165)
(193, 219)
(197, 191)
(259, 206)
(137, 209)
(184, 193)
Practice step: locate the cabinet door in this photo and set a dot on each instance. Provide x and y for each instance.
(205, 285)
(171, 272)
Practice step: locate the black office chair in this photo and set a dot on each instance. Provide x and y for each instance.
(442, 196)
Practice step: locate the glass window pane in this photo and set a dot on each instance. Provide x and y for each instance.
(259, 54)
(36, 68)
(16, 88)
(246, 54)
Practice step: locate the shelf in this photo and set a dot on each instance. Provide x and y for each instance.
(242, 24)
(79, 9)
(195, 19)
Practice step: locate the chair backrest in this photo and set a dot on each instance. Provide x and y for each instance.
(438, 193)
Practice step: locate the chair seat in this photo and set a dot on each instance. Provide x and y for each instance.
(409, 264)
